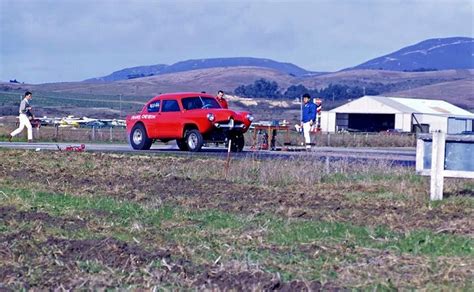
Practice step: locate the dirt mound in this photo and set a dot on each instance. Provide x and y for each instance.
(11, 213)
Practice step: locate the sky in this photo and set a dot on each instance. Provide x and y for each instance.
(71, 40)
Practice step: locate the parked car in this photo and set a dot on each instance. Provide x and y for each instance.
(93, 124)
(191, 119)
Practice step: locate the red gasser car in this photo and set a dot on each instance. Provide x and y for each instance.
(191, 119)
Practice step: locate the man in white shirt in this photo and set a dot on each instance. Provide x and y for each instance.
(24, 121)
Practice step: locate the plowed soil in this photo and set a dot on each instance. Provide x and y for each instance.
(33, 259)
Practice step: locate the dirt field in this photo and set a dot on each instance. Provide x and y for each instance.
(88, 220)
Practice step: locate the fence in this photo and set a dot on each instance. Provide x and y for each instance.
(72, 134)
(118, 134)
(439, 155)
(322, 139)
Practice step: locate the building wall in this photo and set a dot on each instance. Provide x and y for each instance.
(458, 125)
(328, 121)
(403, 122)
(437, 123)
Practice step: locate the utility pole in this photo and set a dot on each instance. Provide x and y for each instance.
(301, 108)
(120, 115)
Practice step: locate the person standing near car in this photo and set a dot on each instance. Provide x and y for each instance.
(221, 100)
(308, 118)
(24, 110)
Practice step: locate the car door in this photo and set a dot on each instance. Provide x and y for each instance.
(151, 118)
(170, 119)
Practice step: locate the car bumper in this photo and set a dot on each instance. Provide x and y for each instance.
(230, 125)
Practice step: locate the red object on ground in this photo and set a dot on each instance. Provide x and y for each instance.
(80, 148)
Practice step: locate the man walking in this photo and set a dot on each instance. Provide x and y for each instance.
(308, 117)
(24, 121)
(221, 100)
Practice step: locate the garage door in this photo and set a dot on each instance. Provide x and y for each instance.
(371, 122)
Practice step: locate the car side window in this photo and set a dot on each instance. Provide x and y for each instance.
(154, 106)
(170, 106)
(190, 103)
(210, 103)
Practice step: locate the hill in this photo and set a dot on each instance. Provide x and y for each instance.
(209, 80)
(459, 92)
(428, 55)
(397, 79)
(455, 86)
(130, 73)
(183, 66)
(432, 54)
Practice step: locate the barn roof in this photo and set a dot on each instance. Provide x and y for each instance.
(404, 105)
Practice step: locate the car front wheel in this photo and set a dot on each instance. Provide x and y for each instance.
(139, 138)
(194, 140)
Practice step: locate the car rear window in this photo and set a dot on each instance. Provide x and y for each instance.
(198, 102)
(170, 106)
(154, 106)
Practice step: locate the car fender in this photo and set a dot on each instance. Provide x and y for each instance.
(191, 124)
(133, 124)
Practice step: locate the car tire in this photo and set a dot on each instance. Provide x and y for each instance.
(194, 140)
(182, 145)
(139, 138)
(238, 142)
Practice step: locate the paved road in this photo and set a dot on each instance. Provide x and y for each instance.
(401, 156)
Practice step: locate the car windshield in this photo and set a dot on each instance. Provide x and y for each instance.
(198, 102)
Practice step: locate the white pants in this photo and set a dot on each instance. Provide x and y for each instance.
(306, 131)
(24, 121)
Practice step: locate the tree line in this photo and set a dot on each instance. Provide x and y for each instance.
(263, 88)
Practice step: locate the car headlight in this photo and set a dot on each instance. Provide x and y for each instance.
(249, 117)
(211, 117)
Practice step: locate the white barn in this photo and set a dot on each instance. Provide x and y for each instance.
(380, 113)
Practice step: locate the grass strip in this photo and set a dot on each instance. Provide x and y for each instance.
(201, 226)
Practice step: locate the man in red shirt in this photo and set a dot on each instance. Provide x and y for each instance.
(221, 100)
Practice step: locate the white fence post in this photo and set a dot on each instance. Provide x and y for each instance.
(93, 133)
(420, 153)
(437, 166)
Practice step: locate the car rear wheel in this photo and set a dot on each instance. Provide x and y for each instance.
(194, 140)
(139, 138)
(238, 143)
(182, 145)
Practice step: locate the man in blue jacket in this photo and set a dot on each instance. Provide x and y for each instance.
(308, 118)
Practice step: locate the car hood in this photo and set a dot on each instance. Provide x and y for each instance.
(226, 114)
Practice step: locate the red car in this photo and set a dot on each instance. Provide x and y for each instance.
(191, 119)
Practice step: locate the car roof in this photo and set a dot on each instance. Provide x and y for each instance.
(182, 94)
